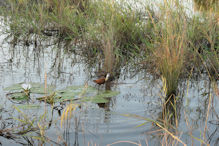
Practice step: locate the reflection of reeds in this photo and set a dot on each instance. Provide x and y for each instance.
(169, 118)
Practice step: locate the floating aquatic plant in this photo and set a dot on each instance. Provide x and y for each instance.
(19, 96)
(36, 88)
(72, 93)
(90, 94)
(29, 106)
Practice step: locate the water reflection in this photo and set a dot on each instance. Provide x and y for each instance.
(100, 123)
(166, 129)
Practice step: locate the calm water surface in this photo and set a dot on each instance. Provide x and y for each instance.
(139, 96)
(104, 123)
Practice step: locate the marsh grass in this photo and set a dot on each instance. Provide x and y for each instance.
(179, 43)
(206, 4)
(174, 44)
(99, 28)
(114, 32)
(49, 17)
(211, 54)
(30, 124)
(169, 45)
(204, 42)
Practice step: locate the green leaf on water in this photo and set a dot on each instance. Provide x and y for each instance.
(85, 94)
(28, 106)
(18, 96)
(101, 98)
(73, 92)
(66, 96)
(36, 88)
(40, 89)
(94, 99)
(74, 88)
(15, 87)
(107, 94)
(78, 89)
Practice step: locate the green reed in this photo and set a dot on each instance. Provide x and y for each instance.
(172, 42)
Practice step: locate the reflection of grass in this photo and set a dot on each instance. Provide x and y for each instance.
(164, 131)
(166, 127)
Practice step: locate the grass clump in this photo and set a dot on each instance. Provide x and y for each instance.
(114, 27)
(110, 33)
(169, 45)
(178, 43)
(94, 26)
(49, 17)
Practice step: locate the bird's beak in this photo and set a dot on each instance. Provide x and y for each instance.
(107, 77)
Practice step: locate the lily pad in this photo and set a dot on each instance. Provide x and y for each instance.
(84, 94)
(101, 98)
(67, 96)
(95, 99)
(36, 88)
(78, 89)
(29, 106)
(18, 96)
(15, 87)
(52, 98)
(40, 89)
(107, 94)
(72, 92)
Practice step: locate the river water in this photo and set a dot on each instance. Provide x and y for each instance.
(119, 121)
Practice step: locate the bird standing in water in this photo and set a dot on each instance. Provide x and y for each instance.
(102, 80)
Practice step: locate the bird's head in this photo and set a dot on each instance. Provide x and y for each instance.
(107, 76)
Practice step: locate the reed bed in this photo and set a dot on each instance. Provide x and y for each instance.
(170, 43)
(173, 42)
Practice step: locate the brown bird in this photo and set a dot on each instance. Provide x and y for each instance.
(102, 80)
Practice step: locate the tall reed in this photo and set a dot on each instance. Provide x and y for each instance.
(169, 44)
(114, 32)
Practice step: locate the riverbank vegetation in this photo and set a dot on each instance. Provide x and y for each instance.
(168, 40)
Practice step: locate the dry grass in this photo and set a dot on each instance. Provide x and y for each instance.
(170, 44)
